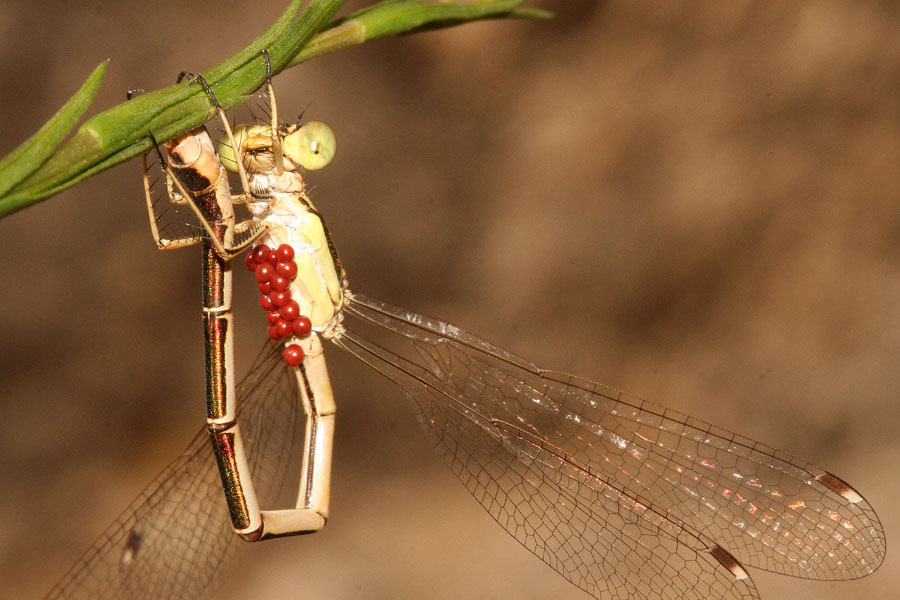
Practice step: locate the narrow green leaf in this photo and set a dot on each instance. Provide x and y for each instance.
(169, 112)
(518, 13)
(395, 17)
(120, 133)
(31, 154)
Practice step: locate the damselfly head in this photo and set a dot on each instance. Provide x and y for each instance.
(255, 144)
(311, 146)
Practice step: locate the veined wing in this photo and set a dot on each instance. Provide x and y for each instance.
(175, 540)
(624, 498)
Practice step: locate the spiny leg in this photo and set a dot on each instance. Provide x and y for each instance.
(162, 242)
(277, 149)
(199, 181)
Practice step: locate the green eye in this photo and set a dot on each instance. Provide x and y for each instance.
(312, 146)
(226, 152)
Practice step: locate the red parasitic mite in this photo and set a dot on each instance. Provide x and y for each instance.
(293, 355)
(261, 253)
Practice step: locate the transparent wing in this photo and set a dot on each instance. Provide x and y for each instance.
(175, 540)
(623, 498)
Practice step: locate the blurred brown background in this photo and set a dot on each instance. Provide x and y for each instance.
(694, 202)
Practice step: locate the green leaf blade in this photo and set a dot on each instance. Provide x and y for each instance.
(33, 152)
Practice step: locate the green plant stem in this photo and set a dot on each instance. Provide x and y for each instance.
(34, 171)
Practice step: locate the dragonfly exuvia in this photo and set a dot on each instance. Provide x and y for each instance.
(624, 498)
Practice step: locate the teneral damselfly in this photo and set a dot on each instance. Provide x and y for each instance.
(623, 498)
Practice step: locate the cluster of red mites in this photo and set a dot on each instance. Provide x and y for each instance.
(275, 269)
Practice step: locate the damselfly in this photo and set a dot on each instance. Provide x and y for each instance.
(623, 498)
